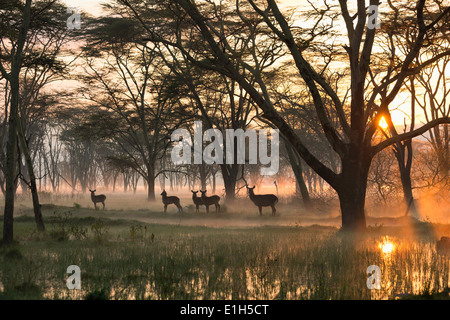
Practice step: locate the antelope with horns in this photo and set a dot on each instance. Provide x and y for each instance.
(170, 200)
(197, 200)
(208, 201)
(263, 200)
(100, 198)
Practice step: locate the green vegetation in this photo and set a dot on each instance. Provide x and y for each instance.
(128, 259)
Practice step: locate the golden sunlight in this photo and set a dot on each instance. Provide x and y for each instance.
(386, 246)
(383, 124)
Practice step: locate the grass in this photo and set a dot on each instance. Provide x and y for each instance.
(125, 258)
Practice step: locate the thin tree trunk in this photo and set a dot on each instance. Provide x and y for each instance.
(125, 182)
(40, 171)
(298, 173)
(10, 172)
(404, 165)
(403, 151)
(202, 171)
(29, 164)
(11, 146)
(115, 175)
(214, 182)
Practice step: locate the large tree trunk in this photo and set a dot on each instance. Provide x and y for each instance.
(352, 200)
(151, 190)
(150, 184)
(229, 175)
(10, 174)
(351, 190)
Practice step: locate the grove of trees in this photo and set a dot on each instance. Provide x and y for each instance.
(97, 105)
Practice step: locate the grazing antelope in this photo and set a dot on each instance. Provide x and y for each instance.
(170, 200)
(263, 200)
(100, 198)
(197, 200)
(208, 201)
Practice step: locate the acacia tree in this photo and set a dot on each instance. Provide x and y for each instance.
(31, 36)
(50, 155)
(125, 79)
(297, 108)
(221, 102)
(79, 143)
(434, 103)
(395, 40)
(50, 147)
(383, 180)
(15, 63)
(352, 139)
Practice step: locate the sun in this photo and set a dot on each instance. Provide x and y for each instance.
(382, 123)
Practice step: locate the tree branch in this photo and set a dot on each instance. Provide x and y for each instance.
(408, 135)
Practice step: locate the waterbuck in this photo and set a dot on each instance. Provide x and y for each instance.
(197, 200)
(209, 201)
(170, 200)
(100, 198)
(263, 200)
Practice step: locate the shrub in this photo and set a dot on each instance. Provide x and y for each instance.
(138, 231)
(100, 231)
(60, 224)
(97, 295)
(13, 254)
(78, 232)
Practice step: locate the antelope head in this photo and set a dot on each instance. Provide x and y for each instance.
(250, 190)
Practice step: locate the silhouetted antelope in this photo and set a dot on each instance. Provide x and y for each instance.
(263, 200)
(197, 200)
(170, 200)
(208, 201)
(100, 198)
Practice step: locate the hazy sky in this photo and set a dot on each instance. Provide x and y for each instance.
(93, 7)
(90, 6)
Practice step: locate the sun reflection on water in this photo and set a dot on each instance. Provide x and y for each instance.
(387, 246)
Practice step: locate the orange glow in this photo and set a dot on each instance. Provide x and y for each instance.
(383, 124)
(386, 246)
